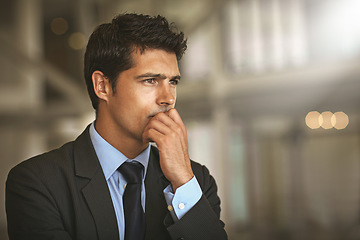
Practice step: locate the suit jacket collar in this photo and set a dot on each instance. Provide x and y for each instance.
(95, 192)
(85, 159)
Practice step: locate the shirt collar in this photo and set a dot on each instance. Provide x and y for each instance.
(110, 158)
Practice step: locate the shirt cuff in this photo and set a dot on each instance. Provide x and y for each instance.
(185, 197)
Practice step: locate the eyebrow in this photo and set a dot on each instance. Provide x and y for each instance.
(157, 75)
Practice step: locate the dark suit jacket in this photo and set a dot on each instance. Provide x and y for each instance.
(63, 195)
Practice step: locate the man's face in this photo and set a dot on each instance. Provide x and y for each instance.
(144, 90)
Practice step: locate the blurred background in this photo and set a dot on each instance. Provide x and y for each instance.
(269, 94)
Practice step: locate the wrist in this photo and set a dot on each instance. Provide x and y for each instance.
(181, 181)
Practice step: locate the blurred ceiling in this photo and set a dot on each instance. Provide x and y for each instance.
(55, 86)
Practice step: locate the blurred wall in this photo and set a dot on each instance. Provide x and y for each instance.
(253, 72)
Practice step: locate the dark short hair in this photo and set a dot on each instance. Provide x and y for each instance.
(111, 45)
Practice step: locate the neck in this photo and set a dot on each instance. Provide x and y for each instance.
(127, 145)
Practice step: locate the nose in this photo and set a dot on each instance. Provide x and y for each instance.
(166, 95)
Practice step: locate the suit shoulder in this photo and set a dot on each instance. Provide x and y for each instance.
(47, 161)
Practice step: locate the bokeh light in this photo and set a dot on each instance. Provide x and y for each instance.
(313, 120)
(340, 120)
(59, 26)
(77, 41)
(327, 120)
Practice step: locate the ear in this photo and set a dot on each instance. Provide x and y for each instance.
(102, 86)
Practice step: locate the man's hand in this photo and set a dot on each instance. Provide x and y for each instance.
(168, 131)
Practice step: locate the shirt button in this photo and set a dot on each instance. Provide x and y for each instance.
(181, 206)
(170, 208)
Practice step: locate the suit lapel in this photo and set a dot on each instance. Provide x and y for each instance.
(155, 206)
(95, 192)
(98, 198)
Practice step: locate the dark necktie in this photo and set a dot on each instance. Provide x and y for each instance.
(133, 211)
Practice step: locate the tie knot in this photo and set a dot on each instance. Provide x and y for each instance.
(132, 171)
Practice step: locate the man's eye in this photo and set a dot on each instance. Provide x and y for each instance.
(149, 81)
(174, 82)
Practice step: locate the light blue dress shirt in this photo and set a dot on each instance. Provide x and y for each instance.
(179, 203)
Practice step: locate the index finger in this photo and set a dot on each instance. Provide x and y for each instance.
(175, 116)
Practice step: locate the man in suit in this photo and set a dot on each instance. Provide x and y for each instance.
(78, 191)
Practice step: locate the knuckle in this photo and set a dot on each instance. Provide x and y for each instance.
(178, 130)
(162, 140)
(173, 134)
